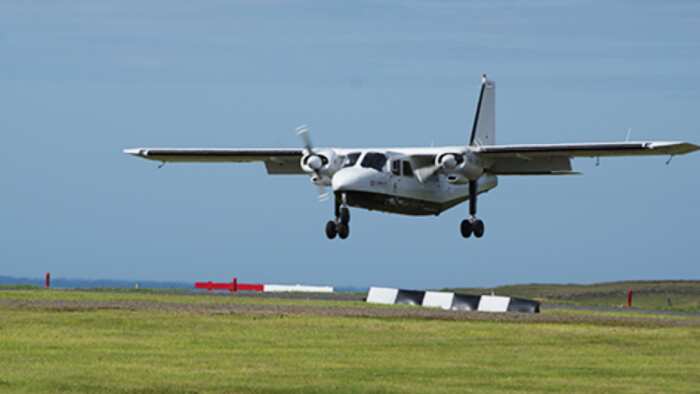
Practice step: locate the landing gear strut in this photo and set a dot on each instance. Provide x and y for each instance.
(341, 225)
(472, 225)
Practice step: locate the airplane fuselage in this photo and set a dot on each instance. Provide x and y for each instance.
(400, 192)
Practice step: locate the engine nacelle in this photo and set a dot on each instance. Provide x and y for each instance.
(449, 162)
(458, 167)
(321, 165)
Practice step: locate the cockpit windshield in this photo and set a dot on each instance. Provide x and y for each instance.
(374, 160)
(351, 159)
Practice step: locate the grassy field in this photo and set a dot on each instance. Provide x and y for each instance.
(127, 342)
(661, 295)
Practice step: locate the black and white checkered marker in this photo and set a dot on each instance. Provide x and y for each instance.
(451, 301)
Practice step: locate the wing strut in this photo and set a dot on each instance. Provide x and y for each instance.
(472, 198)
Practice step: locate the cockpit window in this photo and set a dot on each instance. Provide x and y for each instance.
(374, 160)
(351, 159)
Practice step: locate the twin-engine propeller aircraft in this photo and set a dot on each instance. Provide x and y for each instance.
(418, 181)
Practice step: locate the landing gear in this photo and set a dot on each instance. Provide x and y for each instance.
(340, 229)
(343, 230)
(331, 230)
(478, 227)
(344, 216)
(341, 225)
(472, 225)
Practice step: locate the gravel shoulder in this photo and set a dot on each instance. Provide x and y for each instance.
(551, 314)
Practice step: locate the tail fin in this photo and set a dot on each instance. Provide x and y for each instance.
(484, 129)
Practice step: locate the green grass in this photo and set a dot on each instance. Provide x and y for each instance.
(164, 296)
(19, 287)
(683, 295)
(147, 351)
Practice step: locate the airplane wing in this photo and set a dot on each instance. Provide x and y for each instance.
(555, 159)
(277, 161)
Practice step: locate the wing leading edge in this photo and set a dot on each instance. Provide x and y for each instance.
(277, 161)
(555, 159)
(649, 148)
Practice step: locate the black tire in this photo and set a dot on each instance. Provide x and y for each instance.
(466, 228)
(343, 230)
(345, 216)
(331, 230)
(478, 228)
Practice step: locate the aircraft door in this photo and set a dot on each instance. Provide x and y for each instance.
(395, 174)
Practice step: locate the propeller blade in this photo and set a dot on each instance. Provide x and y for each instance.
(323, 195)
(303, 132)
(423, 173)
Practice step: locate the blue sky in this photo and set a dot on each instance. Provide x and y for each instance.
(81, 80)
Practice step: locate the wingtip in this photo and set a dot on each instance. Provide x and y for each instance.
(674, 147)
(133, 151)
(687, 147)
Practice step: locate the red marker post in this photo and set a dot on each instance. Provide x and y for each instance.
(47, 280)
(629, 298)
(234, 286)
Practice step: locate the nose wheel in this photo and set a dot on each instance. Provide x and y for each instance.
(341, 225)
(472, 225)
(339, 229)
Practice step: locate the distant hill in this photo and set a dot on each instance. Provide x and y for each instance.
(683, 295)
(70, 283)
(93, 283)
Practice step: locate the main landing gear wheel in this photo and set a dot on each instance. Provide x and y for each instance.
(472, 225)
(343, 230)
(341, 225)
(478, 228)
(331, 230)
(466, 228)
(339, 229)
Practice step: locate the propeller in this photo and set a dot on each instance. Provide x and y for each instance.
(448, 162)
(314, 161)
(424, 173)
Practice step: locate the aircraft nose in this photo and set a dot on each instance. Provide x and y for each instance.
(349, 179)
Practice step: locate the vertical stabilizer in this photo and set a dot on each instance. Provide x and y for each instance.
(484, 129)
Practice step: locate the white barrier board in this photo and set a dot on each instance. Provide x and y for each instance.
(297, 288)
(493, 304)
(438, 299)
(382, 295)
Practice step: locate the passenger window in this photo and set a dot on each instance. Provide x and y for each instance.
(396, 167)
(374, 160)
(351, 159)
(407, 170)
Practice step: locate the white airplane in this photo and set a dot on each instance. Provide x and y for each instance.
(418, 181)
